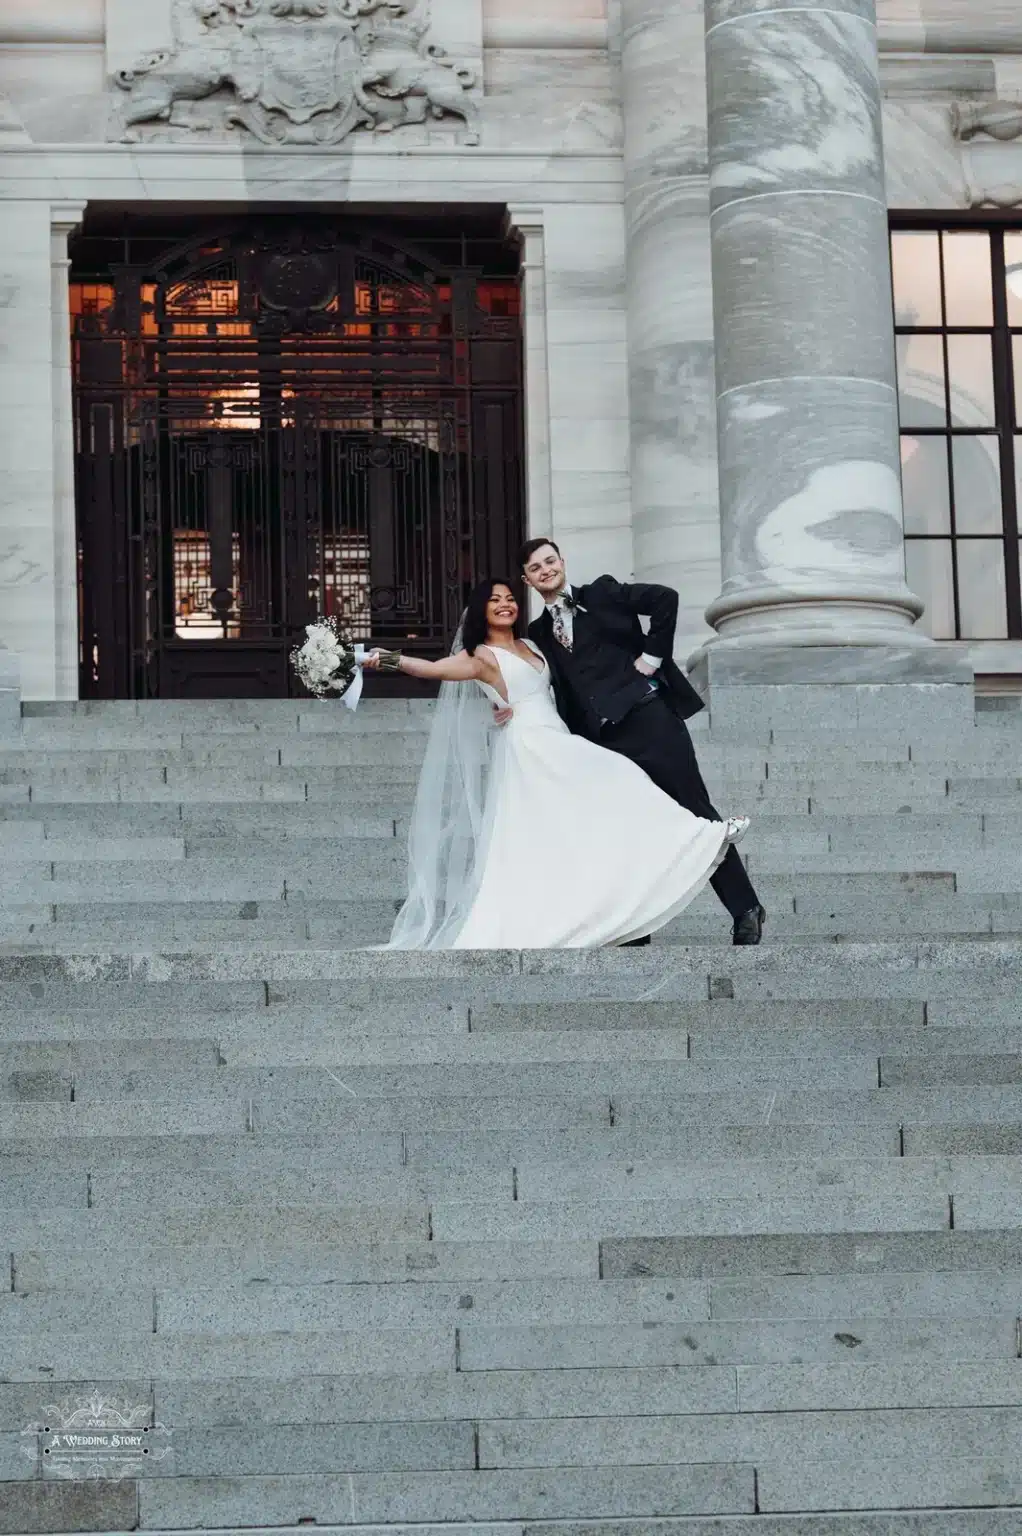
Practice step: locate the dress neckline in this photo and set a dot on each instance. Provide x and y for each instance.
(501, 650)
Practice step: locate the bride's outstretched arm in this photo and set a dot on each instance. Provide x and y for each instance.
(461, 668)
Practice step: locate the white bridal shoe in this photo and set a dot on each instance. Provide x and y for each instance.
(737, 826)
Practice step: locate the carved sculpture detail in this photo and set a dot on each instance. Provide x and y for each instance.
(998, 119)
(302, 71)
(1007, 196)
(409, 78)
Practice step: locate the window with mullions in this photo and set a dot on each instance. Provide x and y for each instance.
(958, 317)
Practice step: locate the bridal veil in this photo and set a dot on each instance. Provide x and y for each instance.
(451, 819)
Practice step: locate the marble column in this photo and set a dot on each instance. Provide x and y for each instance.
(811, 514)
(27, 589)
(64, 220)
(528, 224)
(669, 305)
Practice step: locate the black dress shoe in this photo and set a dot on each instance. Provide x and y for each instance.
(748, 928)
(628, 944)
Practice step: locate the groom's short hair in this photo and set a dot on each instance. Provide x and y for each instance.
(528, 549)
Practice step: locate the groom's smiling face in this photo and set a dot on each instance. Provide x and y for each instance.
(545, 571)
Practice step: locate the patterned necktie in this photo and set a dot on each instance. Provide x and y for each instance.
(560, 628)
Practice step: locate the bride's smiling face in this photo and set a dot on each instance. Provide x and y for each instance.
(501, 610)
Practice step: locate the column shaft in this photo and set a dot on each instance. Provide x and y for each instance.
(807, 417)
(528, 222)
(64, 220)
(669, 305)
(27, 592)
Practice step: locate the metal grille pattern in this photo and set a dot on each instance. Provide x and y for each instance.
(276, 423)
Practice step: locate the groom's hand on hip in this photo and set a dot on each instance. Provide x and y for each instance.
(643, 666)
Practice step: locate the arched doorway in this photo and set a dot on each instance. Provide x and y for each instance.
(282, 417)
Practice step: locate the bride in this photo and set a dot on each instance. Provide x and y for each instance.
(525, 836)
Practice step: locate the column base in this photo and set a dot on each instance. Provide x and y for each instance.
(10, 693)
(899, 692)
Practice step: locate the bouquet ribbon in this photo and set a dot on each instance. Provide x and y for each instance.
(353, 692)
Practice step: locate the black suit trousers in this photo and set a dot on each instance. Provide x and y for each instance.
(655, 739)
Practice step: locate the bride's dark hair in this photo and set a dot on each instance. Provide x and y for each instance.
(475, 625)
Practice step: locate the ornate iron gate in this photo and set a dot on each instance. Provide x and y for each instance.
(277, 422)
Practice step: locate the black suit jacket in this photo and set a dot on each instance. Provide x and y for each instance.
(615, 608)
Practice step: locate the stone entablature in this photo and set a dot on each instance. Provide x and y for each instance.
(924, 26)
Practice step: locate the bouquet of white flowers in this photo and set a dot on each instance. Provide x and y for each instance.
(329, 663)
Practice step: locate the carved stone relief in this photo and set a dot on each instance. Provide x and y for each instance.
(995, 120)
(1009, 195)
(294, 72)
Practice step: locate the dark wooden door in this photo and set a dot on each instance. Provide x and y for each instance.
(274, 423)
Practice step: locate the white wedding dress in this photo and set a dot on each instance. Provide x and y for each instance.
(582, 848)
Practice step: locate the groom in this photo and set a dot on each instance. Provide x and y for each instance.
(622, 689)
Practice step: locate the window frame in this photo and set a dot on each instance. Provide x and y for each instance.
(1007, 410)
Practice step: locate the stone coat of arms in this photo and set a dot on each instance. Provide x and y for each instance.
(301, 71)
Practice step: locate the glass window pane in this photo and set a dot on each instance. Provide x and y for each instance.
(971, 365)
(1016, 346)
(915, 259)
(928, 573)
(1013, 264)
(921, 381)
(1018, 476)
(982, 606)
(978, 504)
(968, 284)
(924, 481)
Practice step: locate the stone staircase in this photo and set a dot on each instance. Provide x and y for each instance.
(677, 1239)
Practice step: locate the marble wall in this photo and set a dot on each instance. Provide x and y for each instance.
(950, 26)
(928, 166)
(545, 77)
(593, 132)
(551, 151)
(589, 418)
(576, 396)
(578, 452)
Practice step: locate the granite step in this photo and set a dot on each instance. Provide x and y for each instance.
(660, 1238)
(109, 1506)
(529, 1183)
(740, 1345)
(739, 1267)
(300, 1042)
(452, 1497)
(476, 1146)
(487, 1081)
(935, 909)
(505, 973)
(550, 1394)
(178, 1268)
